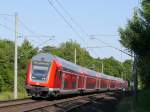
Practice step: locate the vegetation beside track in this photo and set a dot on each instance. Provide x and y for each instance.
(141, 105)
(119, 103)
(9, 95)
(135, 36)
(26, 50)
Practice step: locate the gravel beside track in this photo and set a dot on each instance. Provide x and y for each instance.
(56, 105)
(52, 105)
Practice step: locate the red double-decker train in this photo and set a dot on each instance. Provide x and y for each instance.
(49, 75)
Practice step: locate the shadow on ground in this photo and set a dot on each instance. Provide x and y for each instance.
(107, 104)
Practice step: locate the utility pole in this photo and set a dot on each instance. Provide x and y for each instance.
(134, 77)
(75, 55)
(16, 59)
(122, 72)
(102, 67)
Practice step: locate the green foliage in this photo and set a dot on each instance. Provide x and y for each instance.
(26, 52)
(52, 49)
(65, 50)
(111, 66)
(8, 95)
(136, 38)
(127, 68)
(6, 64)
(143, 105)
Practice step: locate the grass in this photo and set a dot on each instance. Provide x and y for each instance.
(141, 105)
(9, 95)
(125, 105)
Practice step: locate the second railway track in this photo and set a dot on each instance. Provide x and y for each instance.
(62, 105)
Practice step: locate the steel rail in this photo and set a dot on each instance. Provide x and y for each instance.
(34, 105)
(13, 100)
(73, 103)
(9, 103)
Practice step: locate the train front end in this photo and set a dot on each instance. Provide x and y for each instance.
(38, 75)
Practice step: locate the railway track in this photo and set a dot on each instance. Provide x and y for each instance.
(62, 105)
(14, 103)
(16, 100)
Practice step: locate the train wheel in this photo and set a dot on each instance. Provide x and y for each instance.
(35, 98)
(81, 92)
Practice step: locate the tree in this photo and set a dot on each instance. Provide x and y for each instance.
(136, 38)
(65, 50)
(112, 67)
(51, 49)
(26, 52)
(6, 64)
(127, 68)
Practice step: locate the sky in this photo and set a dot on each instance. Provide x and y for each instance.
(92, 17)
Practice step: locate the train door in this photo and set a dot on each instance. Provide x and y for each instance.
(91, 83)
(69, 80)
(81, 82)
(97, 83)
(104, 84)
(58, 79)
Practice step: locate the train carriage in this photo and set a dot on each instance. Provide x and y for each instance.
(50, 75)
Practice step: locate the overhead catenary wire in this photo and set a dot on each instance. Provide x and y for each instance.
(29, 30)
(39, 45)
(79, 26)
(6, 27)
(76, 23)
(139, 3)
(71, 18)
(35, 34)
(7, 15)
(66, 21)
(103, 35)
(20, 21)
(112, 46)
(26, 27)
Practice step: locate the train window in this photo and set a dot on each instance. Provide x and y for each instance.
(40, 71)
(91, 83)
(69, 70)
(74, 85)
(65, 84)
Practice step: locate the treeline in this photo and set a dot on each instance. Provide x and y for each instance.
(135, 36)
(65, 50)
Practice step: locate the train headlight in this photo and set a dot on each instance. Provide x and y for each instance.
(44, 78)
(33, 77)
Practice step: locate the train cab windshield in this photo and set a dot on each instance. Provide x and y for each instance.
(40, 71)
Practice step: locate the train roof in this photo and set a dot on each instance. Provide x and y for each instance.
(69, 65)
(104, 76)
(48, 57)
(91, 72)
